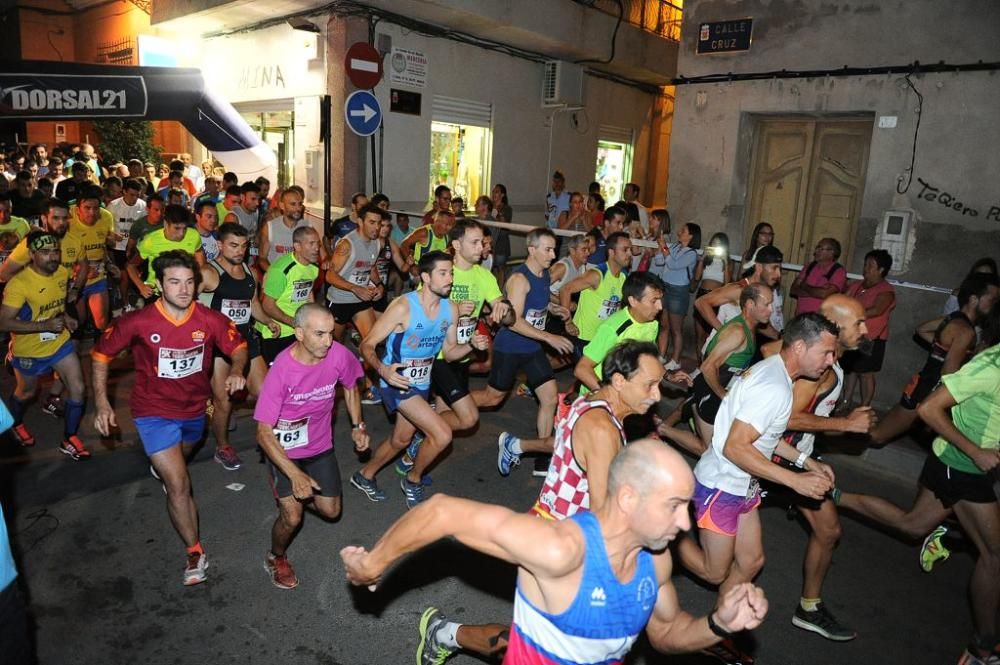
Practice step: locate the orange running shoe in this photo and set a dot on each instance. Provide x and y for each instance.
(74, 447)
(24, 437)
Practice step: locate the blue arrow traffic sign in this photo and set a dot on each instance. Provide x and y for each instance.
(362, 113)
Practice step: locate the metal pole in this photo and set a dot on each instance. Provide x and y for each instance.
(325, 134)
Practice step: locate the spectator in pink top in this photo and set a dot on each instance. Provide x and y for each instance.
(879, 299)
(294, 413)
(823, 277)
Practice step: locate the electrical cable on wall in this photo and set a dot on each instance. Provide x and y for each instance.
(614, 38)
(908, 174)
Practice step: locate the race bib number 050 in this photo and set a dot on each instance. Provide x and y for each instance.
(238, 311)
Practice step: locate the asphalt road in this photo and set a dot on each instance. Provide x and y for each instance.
(103, 566)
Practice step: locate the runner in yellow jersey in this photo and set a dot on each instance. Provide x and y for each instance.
(430, 237)
(95, 232)
(34, 310)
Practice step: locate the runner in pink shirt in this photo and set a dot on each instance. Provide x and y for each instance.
(294, 429)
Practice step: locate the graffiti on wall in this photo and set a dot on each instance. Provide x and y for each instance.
(929, 192)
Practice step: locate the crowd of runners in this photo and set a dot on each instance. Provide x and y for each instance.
(216, 302)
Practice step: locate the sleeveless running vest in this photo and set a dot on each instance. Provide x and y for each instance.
(600, 303)
(566, 490)
(601, 623)
(572, 272)
(417, 346)
(740, 359)
(822, 405)
(383, 261)
(536, 312)
(433, 243)
(357, 268)
(279, 238)
(233, 296)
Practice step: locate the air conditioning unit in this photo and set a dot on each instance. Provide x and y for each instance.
(562, 84)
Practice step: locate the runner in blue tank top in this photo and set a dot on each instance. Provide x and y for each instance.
(519, 348)
(586, 586)
(415, 328)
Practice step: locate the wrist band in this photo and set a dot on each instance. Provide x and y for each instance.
(716, 628)
(801, 461)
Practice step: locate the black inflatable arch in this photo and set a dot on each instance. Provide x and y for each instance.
(75, 91)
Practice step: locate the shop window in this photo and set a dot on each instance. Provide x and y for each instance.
(276, 129)
(461, 148)
(614, 162)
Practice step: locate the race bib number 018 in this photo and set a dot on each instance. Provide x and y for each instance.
(418, 371)
(292, 433)
(238, 311)
(179, 363)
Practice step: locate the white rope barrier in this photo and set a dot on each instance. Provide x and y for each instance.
(793, 267)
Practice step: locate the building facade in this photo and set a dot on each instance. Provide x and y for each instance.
(781, 132)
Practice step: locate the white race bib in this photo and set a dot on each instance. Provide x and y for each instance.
(301, 288)
(292, 433)
(178, 363)
(537, 318)
(608, 307)
(360, 277)
(238, 311)
(466, 328)
(47, 336)
(124, 226)
(418, 371)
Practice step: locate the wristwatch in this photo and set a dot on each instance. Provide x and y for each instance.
(801, 460)
(360, 426)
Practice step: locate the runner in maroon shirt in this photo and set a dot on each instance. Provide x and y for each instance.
(171, 343)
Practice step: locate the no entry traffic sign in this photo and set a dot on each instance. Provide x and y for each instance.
(364, 65)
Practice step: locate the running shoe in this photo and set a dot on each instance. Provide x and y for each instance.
(507, 459)
(355, 338)
(973, 656)
(74, 447)
(405, 463)
(671, 365)
(430, 651)
(53, 406)
(541, 468)
(563, 405)
(933, 550)
(821, 621)
(414, 492)
(227, 457)
(24, 437)
(196, 566)
(282, 575)
(371, 396)
(524, 390)
(727, 652)
(369, 487)
(152, 472)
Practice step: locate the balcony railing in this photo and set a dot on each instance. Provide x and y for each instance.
(657, 16)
